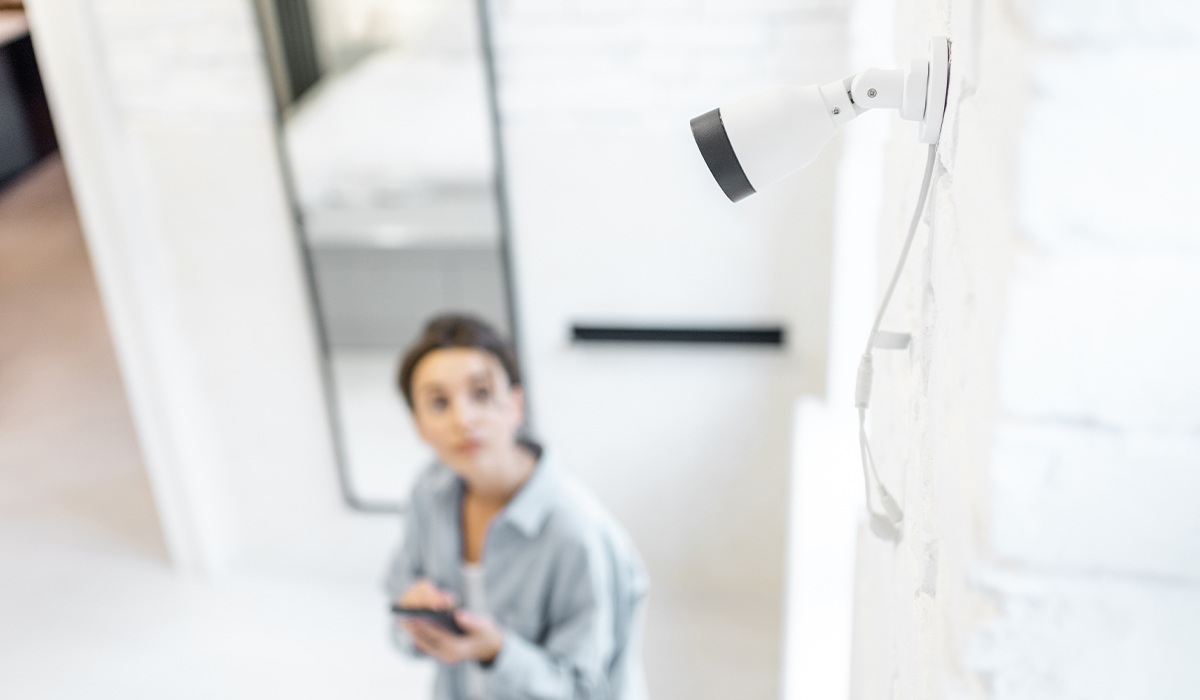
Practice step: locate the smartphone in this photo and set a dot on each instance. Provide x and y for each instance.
(441, 618)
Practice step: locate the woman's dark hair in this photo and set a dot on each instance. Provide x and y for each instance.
(461, 331)
(456, 331)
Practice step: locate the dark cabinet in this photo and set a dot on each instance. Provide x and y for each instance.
(26, 132)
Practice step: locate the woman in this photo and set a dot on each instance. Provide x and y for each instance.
(544, 584)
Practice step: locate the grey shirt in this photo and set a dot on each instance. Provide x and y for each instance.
(561, 579)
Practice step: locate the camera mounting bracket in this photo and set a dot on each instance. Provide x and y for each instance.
(919, 91)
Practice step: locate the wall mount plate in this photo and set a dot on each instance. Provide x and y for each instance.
(937, 93)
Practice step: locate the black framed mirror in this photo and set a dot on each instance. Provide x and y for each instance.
(388, 129)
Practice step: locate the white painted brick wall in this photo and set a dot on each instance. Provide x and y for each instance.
(200, 62)
(1087, 634)
(570, 64)
(1045, 429)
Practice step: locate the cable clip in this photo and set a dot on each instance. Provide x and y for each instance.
(862, 387)
(887, 340)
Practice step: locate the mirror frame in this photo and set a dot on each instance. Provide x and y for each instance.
(274, 54)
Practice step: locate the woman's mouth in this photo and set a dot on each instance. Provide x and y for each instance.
(468, 446)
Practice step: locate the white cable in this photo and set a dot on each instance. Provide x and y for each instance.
(887, 522)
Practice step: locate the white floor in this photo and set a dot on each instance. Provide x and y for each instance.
(89, 607)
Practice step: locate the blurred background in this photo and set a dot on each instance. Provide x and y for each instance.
(387, 138)
(221, 223)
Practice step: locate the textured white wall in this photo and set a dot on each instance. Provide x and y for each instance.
(1043, 428)
(616, 219)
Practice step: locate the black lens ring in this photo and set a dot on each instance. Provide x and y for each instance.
(709, 132)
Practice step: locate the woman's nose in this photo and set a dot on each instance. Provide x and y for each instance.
(465, 411)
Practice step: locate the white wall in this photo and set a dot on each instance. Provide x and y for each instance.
(164, 115)
(617, 219)
(825, 499)
(1043, 429)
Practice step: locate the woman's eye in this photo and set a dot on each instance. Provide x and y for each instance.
(483, 394)
(439, 404)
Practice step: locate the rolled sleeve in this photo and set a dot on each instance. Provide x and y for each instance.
(570, 663)
(516, 662)
(522, 670)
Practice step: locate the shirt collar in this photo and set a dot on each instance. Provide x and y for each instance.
(527, 510)
(444, 481)
(531, 506)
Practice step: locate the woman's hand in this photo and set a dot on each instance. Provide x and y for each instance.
(423, 594)
(481, 642)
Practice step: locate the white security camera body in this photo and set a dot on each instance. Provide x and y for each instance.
(755, 141)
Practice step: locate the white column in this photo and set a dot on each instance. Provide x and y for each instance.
(164, 115)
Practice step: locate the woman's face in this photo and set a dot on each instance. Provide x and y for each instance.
(467, 411)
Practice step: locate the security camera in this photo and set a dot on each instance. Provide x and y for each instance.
(753, 142)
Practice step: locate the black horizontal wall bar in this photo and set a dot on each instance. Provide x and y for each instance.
(746, 335)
